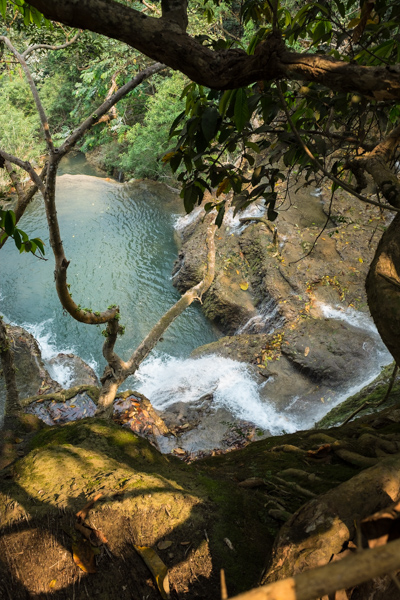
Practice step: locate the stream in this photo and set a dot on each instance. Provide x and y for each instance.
(121, 244)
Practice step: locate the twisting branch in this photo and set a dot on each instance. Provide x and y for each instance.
(49, 47)
(42, 114)
(105, 107)
(320, 166)
(118, 370)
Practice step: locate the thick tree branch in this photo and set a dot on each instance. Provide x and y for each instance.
(49, 47)
(43, 118)
(162, 40)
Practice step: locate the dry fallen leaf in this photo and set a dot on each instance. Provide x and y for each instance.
(83, 556)
(164, 545)
(244, 286)
(306, 351)
(157, 568)
(229, 543)
(52, 583)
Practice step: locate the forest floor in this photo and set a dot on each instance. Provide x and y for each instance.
(222, 512)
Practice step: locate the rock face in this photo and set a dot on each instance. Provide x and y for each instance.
(32, 377)
(270, 285)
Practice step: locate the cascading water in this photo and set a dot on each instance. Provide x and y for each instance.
(120, 241)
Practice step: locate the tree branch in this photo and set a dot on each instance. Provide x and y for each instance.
(341, 575)
(120, 370)
(163, 41)
(43, 118)
(49, 47)
(105, 107)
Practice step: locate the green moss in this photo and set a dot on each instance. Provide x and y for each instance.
(372, 394)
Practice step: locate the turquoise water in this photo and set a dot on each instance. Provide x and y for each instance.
(120, 241)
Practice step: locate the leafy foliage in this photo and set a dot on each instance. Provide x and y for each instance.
(21, 239)
(240, 141)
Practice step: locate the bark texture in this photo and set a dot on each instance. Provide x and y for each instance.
(164, 39)
(383, 288)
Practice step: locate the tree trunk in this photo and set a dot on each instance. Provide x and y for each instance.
(383, 288)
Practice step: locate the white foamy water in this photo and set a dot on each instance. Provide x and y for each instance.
(256, 209)
(352, 317)
(184, 220)
(265, 321)
(166, 380)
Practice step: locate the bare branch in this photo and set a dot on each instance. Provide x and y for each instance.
(105, 107)
(27, 167)
(49, 47)
(120, 370)
(43, 118)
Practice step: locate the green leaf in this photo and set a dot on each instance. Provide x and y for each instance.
(9, 222)
(3, 8)
(225, 99)
(17, 239)
(39, 243)
(220, 216)
(241, 111)
(209, 122)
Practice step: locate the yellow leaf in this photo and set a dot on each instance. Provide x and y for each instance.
(52, 583)
(83, 556)
(353, 23)
(223, 186)
(157, 568)
(360, 260)
(167, 157)
(244, 286)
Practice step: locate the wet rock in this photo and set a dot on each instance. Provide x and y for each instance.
(329, 350)
(31, 374)
(80, 373)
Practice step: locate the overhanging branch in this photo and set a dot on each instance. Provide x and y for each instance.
(163, 41)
